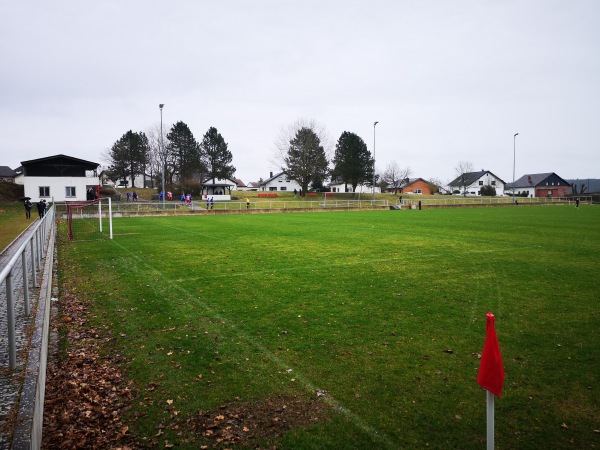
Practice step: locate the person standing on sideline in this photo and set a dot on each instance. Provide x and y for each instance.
(128, 196)
(40, 208)
(134, 196)
(28, 206)
(247, 203)
(577, 202)
(207, 203)
(212, 202)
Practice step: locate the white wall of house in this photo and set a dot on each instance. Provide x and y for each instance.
(281, 183)
(490, 179)
(56, 188)
(485, 180)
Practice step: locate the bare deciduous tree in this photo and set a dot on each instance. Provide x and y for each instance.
(436, 185)
(394, 175)
(461, 170)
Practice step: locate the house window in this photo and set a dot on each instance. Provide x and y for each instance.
(549, 193)
(281, 181)
(44, 191)
(418, 191)
(70, 191)
(283, 188)
(272, 188)
(493, 182)
(480, 182)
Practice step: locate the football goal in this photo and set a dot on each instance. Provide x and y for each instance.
(90, 220)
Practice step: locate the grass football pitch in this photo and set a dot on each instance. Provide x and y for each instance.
(351, 329)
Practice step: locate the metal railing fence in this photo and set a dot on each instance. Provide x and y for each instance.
(444, 200)
(20, 275)
(201, 205)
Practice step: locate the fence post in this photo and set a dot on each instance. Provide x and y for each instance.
(38, 251)
(10, 321)
(25, 281)
(33, 263)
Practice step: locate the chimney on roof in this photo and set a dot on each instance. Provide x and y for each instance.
(270, 174)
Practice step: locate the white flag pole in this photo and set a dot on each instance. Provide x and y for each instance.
(490, 420)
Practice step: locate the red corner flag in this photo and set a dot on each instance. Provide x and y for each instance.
(491, 369)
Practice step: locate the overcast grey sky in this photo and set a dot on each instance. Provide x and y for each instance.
(447, 80)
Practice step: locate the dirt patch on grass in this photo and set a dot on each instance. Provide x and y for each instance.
(248, 424)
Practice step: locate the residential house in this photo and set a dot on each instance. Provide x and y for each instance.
(338, 185)
(470, 183)
(140, 180)
(539, 185)
(7, 174)
(59, 178)
(414, 186)
(251, 186)
(279, 182)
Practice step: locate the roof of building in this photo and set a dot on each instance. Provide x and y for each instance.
(277, 175)
(590, 185)
(533, 179)
(468, 178)
(7, 172)
(63, 159)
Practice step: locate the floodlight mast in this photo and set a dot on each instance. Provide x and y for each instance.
(162, 154)
(514, 159)
(374, 125)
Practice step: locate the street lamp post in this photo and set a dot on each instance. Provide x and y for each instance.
(514, 160)
(374, 124)
(162, 154)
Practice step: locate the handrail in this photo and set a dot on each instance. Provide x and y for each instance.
(36, 240)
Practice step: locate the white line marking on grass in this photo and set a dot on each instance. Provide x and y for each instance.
(375, 434)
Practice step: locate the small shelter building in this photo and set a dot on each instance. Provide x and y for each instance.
(218, 188)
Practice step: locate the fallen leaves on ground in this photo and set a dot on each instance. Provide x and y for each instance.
(85, 392)
(245, 423)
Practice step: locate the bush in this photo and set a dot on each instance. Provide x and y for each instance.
(193, 187)
(488, 191)
(11, 191)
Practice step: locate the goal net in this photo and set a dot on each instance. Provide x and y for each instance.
(89, 220)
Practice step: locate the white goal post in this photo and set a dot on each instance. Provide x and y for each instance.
(89, 219)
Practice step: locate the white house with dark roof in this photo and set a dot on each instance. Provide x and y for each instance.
(280, 182)
(58, 177)
(470, 183)
(338, 185)
(539, 185)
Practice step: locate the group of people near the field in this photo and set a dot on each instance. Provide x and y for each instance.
(129, 196)
(41, 208)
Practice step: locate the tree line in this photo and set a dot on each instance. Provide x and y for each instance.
(182, 158)
(302, 152)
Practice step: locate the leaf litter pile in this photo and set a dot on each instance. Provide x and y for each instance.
(87, 397)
